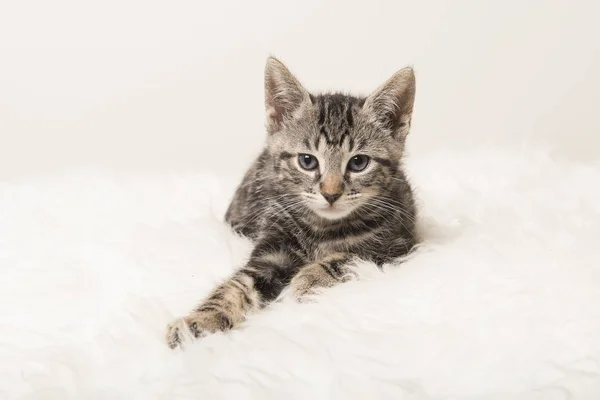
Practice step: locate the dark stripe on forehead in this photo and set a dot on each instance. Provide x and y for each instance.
(329, 111)
(349, 117)
(321, 106)
(324, 132)
(336, 118)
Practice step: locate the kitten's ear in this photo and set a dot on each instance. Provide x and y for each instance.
(283, 94)
(392, 103)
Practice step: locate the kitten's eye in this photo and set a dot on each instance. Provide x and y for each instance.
(358, 163)
(308, 162)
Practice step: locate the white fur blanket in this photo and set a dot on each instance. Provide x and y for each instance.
(501, 302)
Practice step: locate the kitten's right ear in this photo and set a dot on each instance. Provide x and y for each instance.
(283, 94)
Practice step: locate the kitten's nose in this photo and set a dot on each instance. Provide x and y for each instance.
(332, 187)
(331, 197)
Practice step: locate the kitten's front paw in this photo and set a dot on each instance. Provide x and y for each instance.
(196, 325)
(308, 283)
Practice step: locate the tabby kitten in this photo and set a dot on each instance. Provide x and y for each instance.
(328, 188)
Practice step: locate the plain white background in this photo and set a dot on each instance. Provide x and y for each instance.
(177, 85)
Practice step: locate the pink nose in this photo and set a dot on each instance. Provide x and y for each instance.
(332, 187)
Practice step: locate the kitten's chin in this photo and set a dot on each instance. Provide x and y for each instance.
(332, 212)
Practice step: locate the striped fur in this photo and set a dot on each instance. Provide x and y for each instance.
(301, 240)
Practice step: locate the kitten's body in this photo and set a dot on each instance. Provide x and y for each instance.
(300, 239)
(260, 206)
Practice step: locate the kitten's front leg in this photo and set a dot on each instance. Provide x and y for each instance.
(251, 288)
(324, 273)
(224, 308)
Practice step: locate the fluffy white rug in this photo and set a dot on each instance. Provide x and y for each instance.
(502, 301)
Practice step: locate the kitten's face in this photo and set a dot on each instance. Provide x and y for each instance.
(334, 153)
(333, 157)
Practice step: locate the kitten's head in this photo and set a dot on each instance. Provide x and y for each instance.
(336, 152)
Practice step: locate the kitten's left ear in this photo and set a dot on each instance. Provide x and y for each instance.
(392, 103)
(283, 94)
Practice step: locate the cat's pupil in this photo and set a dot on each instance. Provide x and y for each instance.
(358, 163)
(307, 162)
